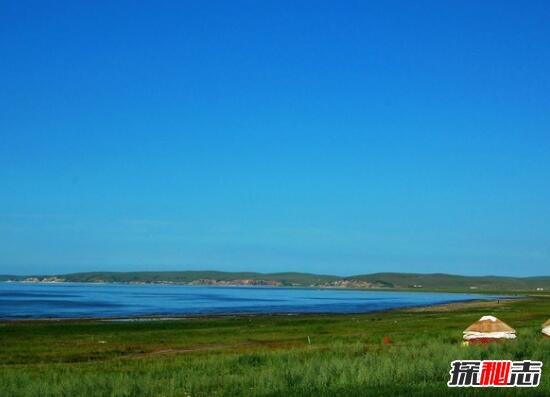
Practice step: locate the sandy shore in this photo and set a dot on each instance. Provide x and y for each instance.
(449, 307)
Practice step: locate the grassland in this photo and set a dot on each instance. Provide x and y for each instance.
(265, 355)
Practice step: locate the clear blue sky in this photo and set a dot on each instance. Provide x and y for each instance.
(337, 137)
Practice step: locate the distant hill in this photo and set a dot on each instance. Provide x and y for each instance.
(437, 281)
(190, 276)
(450, 281)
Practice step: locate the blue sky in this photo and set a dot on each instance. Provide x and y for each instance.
(337, 137)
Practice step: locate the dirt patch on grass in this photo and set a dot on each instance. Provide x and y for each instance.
(243, 346)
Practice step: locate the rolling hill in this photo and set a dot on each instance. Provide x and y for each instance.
(436, 281)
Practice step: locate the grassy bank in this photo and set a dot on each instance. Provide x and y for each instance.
(264, 355)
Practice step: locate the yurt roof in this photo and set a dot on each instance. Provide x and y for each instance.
(489, 324)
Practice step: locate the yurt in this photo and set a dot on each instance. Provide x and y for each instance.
(546, 329)
(488, 329)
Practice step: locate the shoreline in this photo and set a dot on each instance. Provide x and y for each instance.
(435, 307)
(516, 293)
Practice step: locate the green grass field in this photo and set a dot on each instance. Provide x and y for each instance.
(265, 355)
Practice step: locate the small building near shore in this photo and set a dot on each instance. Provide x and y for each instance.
(488, 329)
(546, 329)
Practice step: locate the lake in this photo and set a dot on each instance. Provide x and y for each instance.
(65, 300)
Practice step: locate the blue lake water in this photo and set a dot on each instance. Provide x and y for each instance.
(63, 300)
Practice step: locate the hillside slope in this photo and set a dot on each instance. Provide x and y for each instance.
(434, 281)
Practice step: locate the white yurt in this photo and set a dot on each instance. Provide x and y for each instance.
(546, 329)
(488, 329)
